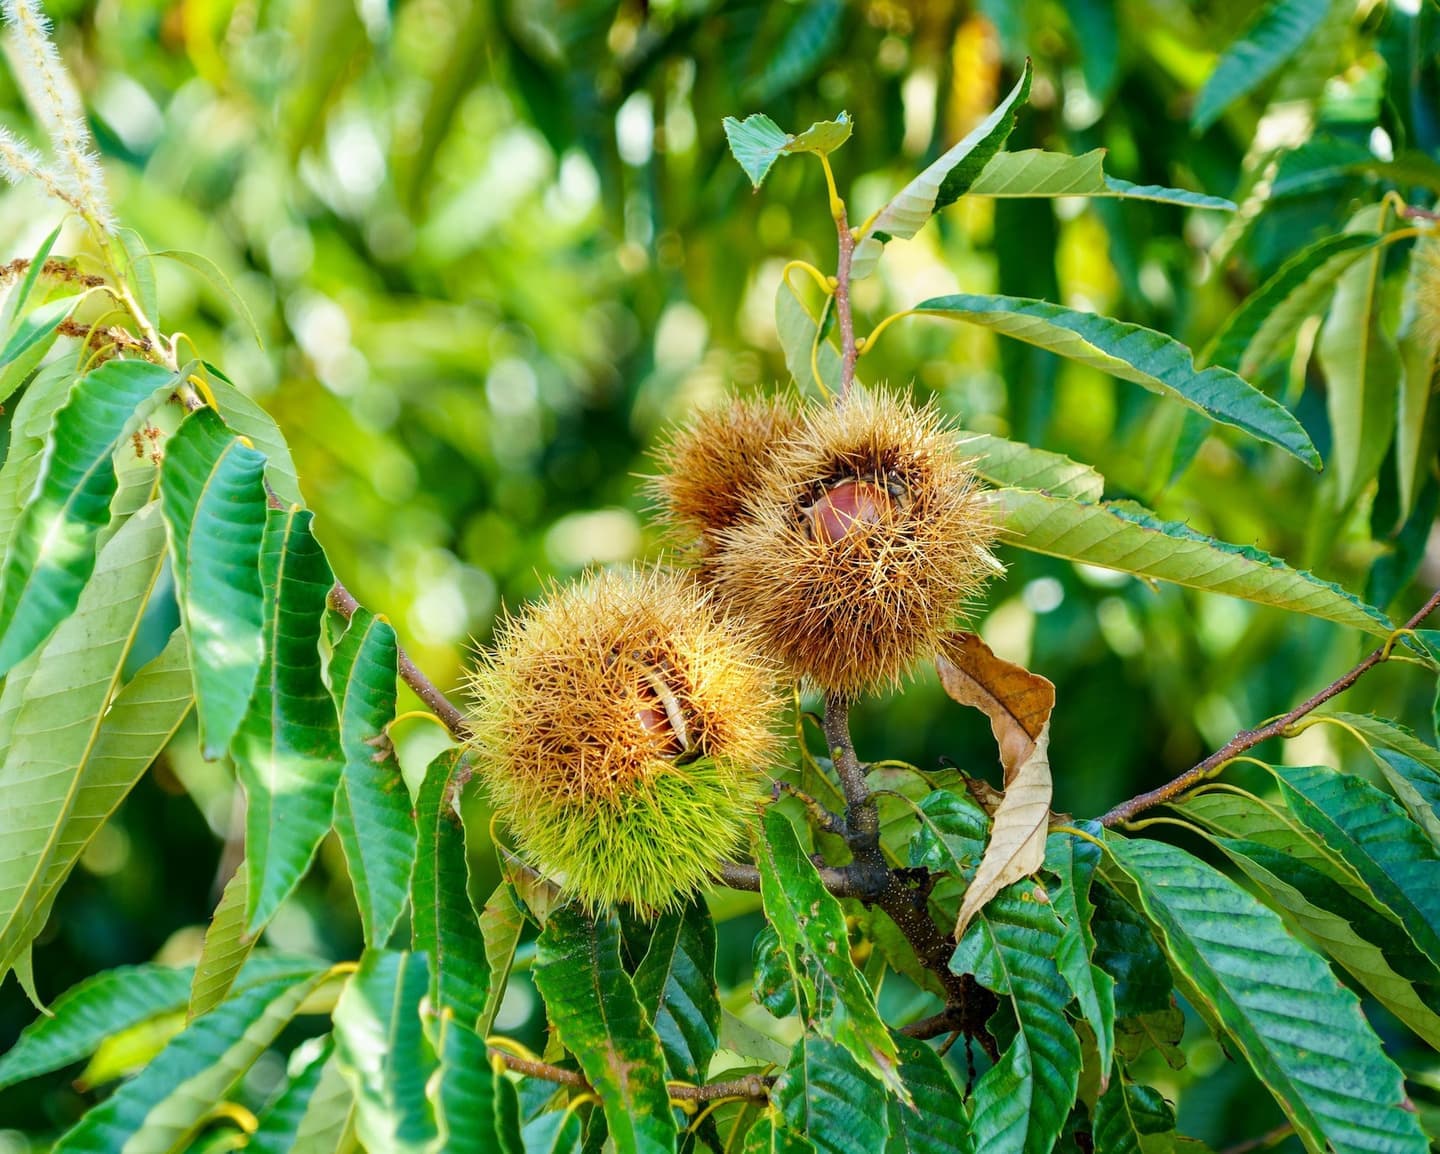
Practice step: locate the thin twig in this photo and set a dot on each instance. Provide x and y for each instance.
(344, 603)
(1263, 1142)
(843, 316)
(1249, 738)
(752, 1087)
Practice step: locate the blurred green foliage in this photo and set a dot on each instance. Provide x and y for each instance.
(493, 248)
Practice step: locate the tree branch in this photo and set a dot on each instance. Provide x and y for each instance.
(344, 603)
(752, 1087)
(1249, 738)
(862, 817)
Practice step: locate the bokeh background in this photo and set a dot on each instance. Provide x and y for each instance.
(495, 248)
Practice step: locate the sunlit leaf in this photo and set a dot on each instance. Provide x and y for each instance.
(942, 183)
(501, 922)
(1035, 172)
(30, 423)
(208, 269)
(1298, 1027)
(287, 750)
(797, 330)
(1411, 767)
(52, 553)
(1136, 354)
(464, 1094)
(280, 1122)
(1009, 464)
(213, 494)
(1121, 536)
(757, 142)
(826, 1096)
(28, 345)
(372, 805)
(383, 1053)
(675, 983)
(225, 948)
(444, 921)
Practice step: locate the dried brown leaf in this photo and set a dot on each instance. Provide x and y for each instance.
(1017, 702)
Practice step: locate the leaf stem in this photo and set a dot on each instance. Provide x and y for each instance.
(1249, 738)
(843, 316)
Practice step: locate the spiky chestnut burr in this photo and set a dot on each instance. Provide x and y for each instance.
(623, 731)
(710, 466)
(860, 544)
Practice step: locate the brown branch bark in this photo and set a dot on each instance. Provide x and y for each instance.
(344, 603)
(862, 817)
(752, 1087)
(1249, 738)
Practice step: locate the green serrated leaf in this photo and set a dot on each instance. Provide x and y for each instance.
(756, 143)
(156, 1111)
(1361, 364)
(811, 926)
(1136, 354)
(1132, 1119)
(52, 552)
(1376, 839)
(1126, 949)
(1035, 172)
(942, 183)
(287, 749)
(225, 949)
(1411, 768)
(1298, 1027)
(1074, 860)
(244, 416)
(1344, 928)
(594, 1010)
(825, 1096)
(279, 1124)
(383, 1053)
(56, 731)
(208, 269)
(1279, 31)
(1262, 326)
(87, 1013)
(328, 1125)
(212, 490)
(1133, 540)
(372, 805)
(19, 297)
(938, 1124)
(675, 983)
(28, 345)
(501, 922)
(1009, 464)
(1021, 1103)
(140, 270)
(29, 427)
(445, 925)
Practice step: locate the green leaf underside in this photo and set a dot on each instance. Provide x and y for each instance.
(501, 922)
(1346, 929)
(797, 330)
(167, 1101)
(1278, 33)
(810, 923)
(383, 1053)
(28, 345)
(372, 805)
(1010, 464)
(828, 1098)
(244, 416)
(1371, 832)
(1035, 172)
(287, 749)
(1021, 1103)
(1133, 540)
(58, 728)
(1136, 354)
(942, 183)
(1074, 860)
(52, 552)
(30, 423)
(1299, 1028)
(595, 1012)
(328, 1124)
(212, 490)
(279, 1124)
(938, 1124)
(757, 142)
(675, 983)
(1414, 774)
(445, 925)
(1262, 326)
(208, 269)
(225, 949)
(18, 299)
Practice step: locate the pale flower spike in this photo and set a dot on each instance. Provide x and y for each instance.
(18, 161)
(55, 102)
